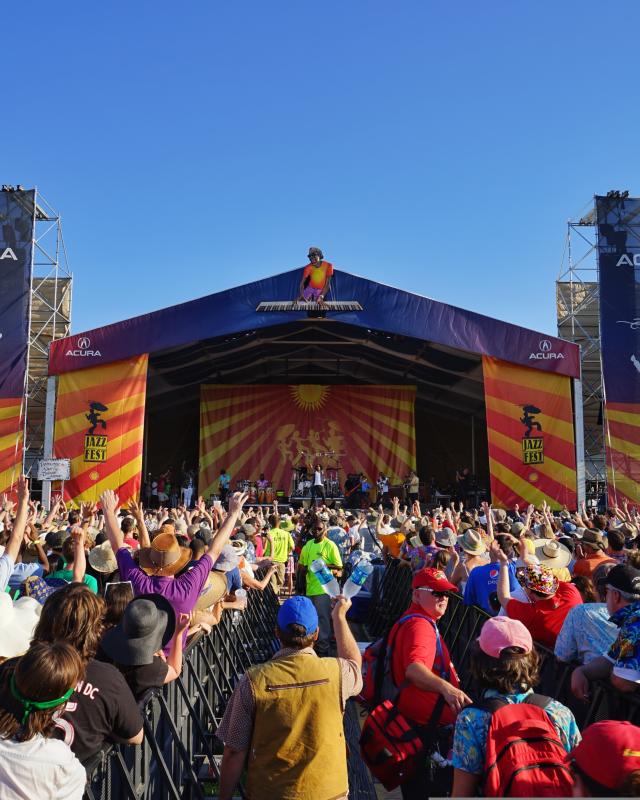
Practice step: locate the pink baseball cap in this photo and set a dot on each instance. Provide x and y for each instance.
(499, 633)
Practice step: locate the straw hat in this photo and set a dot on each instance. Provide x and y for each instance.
(214, 589)
(471, 542)
(165, 556)
(239, 546)
(102, 558)
(552, 554)
(17, 623)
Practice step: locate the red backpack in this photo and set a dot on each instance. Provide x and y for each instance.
(524, 754)
(377, 680)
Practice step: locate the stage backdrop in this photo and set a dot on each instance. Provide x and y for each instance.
(530, 433)
(16, 237)
(99, 426)
(619, 269)
(254, 429)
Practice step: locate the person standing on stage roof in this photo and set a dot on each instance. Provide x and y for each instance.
(316, 277)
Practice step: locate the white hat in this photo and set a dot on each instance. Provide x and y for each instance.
(17, 624)
(552, 554)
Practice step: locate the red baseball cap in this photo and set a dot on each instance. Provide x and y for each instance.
(608, 752)
(431, 578)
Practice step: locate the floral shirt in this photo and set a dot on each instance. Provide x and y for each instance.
(420, 556)
(586, 633)
(625, 651)
(472, 727)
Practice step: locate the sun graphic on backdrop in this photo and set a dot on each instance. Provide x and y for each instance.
(309, 396)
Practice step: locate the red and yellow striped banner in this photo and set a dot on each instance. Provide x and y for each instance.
(530, 434)
(622, 442)
(100, 426)
(11, 442)
(252, 429)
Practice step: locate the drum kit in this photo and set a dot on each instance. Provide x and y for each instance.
(263, 495)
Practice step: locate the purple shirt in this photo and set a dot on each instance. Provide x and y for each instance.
(182, 592)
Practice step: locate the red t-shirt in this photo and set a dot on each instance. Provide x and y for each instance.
(544, 618)
(415, 641)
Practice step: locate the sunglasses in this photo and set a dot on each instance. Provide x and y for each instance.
(436, 594)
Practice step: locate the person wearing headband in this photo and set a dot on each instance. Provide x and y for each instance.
(32, 689)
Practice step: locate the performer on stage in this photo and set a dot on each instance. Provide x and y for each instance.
(224, 481)
(412, 486)
(262, 483)
(317, 488)
(188, 485)
(316, 277)
(382, 485)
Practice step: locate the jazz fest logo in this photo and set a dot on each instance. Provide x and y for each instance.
(532, 446)
(95, 445)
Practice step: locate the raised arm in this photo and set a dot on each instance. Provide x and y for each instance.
(110, 503)
(237, 500)
(138, 513)
(79, 556)
(19, 524)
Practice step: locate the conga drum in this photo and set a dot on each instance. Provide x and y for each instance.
(261, 496)
(269, 494)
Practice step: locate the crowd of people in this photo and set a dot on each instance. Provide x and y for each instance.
(98, 603)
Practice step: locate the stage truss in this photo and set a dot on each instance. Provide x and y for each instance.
(49, 319)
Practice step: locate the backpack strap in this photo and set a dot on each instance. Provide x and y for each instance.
(383, 663)
(539, 700)
(490, 704)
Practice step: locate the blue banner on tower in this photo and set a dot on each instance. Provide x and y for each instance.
(618, 220)
(16, 237)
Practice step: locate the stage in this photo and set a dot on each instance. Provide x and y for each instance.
(462, 370)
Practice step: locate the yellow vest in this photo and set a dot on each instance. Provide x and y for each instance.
(297, 749)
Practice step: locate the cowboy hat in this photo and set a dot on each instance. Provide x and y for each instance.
(214, 589)
(165, 556)
(593, 539)
(471, 542)
(102, 558)
(552, 554)
(147, 626)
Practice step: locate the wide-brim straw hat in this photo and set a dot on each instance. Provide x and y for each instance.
(471, 542)
(165, 556)
(214, 589)
(102, 558)
(552, 554)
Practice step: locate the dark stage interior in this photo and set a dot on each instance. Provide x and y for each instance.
(449, 412)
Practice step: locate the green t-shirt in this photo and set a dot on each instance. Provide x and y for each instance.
(283, 544)
(328, 552)
(67, 575)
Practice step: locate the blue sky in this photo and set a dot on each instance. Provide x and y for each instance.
(439, 147)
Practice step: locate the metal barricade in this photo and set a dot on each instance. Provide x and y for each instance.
(179, 749)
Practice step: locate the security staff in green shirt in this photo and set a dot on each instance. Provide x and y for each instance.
(279, 544)
(320, 547)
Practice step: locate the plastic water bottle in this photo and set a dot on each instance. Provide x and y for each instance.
(358, 577)
(241, 594)
(324, 575)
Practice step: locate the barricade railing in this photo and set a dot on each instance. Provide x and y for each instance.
(179, 750)
(460, 627)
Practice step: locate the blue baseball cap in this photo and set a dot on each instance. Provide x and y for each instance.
(298, 610)
(568, 527)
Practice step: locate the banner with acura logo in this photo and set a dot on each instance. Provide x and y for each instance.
(16, 237)
(618, 246)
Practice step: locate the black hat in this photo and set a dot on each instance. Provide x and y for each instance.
(624, 578)
(147, 625)
(55, 539)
